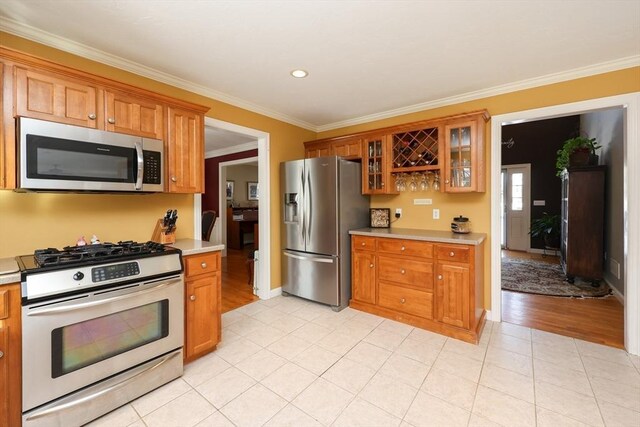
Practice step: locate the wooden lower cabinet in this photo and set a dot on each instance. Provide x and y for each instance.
(434, 286)
(203, 306)
(10, 356)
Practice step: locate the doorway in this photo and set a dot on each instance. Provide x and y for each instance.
(516, 212)
(630, 104)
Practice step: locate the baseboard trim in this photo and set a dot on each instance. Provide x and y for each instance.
(616, 293)
(275, 292)
(487, 315)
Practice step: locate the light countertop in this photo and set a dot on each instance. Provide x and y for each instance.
(9, 272)
(192, 247)
(426, 235)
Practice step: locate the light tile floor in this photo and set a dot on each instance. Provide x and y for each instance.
(289, 362)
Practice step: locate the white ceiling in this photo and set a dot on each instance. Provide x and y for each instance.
(366, 59)
(220, 139)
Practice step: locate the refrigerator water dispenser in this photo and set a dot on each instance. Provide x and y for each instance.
(291, 207)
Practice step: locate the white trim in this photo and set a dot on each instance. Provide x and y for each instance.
(488, 315)
(590, 70)
(528, 202)
(197, 216)
(616, 293)
(275, 292)
(67, 45)
(631, 102)
(230, 150)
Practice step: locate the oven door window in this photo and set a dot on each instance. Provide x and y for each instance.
(63, 159)
(82, 344)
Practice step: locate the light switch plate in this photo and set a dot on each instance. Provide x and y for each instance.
(436, 214)
(422, 201)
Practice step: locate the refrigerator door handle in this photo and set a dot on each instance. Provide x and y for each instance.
(310, 210)
(302, 208)
(308, 258)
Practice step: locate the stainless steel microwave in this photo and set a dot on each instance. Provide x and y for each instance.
(59, 157)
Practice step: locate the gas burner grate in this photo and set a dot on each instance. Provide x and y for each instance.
(103, 251)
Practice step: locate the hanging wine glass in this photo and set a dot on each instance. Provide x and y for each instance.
(399, 182)
(436, 182)
(413, 185)
(403, 182)
(424, 183)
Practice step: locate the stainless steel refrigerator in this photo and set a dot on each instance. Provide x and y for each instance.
(322, 201)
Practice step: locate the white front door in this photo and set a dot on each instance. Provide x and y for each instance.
(517, 188)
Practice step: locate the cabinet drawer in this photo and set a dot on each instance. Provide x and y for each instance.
(202, 264)
(406, 247)
(411, 301)
(418, 274)
(453, 253)
(364, 243)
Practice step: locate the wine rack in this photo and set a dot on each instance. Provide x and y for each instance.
(415, 150)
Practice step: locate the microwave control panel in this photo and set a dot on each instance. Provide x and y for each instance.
(152, 167)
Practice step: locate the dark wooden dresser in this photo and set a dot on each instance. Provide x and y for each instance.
(582, 226)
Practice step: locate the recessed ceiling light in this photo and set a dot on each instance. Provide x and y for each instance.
(299, 74)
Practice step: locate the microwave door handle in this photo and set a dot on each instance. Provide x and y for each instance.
(140, 162)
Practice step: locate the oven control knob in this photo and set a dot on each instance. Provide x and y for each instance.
(78, 276)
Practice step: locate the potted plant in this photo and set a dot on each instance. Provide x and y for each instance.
(547, 227)
(579, 151)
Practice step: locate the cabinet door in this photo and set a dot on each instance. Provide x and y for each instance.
(364, 277)
(10, 356)
(47, 96)
(202, 315)
(350, 149)
(452, 294)
(135, 116)
(376, 175)
(318, 151)
(185, 148)
(464, 162)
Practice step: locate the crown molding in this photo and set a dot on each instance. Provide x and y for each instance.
(231, 150)
(46, 38)
(603, 67)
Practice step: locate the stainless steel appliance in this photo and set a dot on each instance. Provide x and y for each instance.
(101, 325)
(322, 202)
(59, 157)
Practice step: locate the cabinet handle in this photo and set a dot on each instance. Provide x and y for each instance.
(370, 265)
(402, 248)
(111, 120)
(174, 179)
(439, 276)
(452, 253)
(402, 300)
(92, 116)
(203, 265)
(402, 271)
(192, 297)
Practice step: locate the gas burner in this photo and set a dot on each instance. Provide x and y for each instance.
(99, 252)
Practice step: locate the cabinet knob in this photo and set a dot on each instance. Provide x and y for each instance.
(174, 179)
(402, 248)
(452, 253)
(111, 120)
(402, 300)
(402, 271)
(439, 276)
(203, 265)
(192, 297)
(1, 354)
(370, 265)
(382, 184)
(363, 244)
(92, 116)
(446, 181)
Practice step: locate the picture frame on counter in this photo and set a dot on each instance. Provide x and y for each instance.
(252, 191)
(230, 190)
(379, 217)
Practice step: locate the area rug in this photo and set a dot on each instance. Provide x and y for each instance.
(536, 277)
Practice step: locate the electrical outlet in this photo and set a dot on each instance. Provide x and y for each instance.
(398, 212)
(436, 214)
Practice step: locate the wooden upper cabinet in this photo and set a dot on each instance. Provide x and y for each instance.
(49, 96)
(349, 148)
(185, 151)
(317, 150)
(376, 173)
(464, 162)
(133, 115)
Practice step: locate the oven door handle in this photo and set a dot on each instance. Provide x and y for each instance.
(82, 305)
(64, 406)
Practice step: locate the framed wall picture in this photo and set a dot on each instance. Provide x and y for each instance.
(379, 217)
(230, 190)
(252, 191)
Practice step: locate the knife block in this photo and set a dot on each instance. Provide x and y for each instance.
(160, 234)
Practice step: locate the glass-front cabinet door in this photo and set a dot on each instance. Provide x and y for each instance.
(375, 172)
(463, 167)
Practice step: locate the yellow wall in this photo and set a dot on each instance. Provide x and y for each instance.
(478, 206)
(29, 221)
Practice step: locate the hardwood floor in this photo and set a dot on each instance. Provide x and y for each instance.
(599, 320)
(236, 291)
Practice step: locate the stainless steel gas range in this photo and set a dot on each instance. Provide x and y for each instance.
(101, 325)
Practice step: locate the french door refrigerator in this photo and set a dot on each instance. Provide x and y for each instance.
(322, 201)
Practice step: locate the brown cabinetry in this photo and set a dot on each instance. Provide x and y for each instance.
(464, 161)
(185, 151)
(348, 148)
(317, 150)
(133, 115)
(202, 304)
(10, 355)
(582, 225)
(376, 178)
(426, 284)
